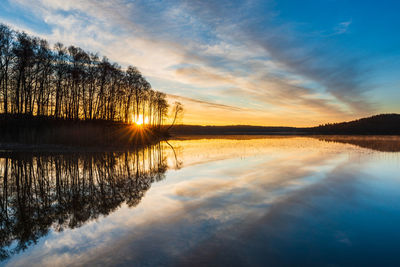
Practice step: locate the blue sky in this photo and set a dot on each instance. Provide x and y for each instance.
(240, 62)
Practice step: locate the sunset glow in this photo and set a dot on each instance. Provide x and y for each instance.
(139, 121)
(269, 72)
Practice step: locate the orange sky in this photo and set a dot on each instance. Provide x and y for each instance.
(244, 63)
(198, 113)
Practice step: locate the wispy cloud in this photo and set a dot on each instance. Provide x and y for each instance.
(205, 103)
(343, 27)
(230, 50)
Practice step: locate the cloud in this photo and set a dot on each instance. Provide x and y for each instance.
(340, 75)
(343, 27)
(233, 51)
(205, 103)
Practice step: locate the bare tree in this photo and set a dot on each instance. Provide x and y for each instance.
(73, 84)
(177, 111)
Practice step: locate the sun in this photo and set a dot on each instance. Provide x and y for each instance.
(140, 121)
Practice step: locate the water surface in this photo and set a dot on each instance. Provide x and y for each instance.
(233, 200)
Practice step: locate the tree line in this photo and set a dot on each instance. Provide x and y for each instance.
(73, 84)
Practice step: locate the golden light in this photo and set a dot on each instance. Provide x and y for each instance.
(140, 120)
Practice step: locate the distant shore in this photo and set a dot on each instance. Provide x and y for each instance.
(383, 124)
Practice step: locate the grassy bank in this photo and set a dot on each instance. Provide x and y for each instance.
(34, 130)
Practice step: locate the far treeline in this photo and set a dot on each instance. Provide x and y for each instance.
(383, 124)
(72, 84)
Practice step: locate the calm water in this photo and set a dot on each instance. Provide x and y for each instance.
(223, 201)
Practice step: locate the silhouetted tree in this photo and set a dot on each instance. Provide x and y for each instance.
(71, 83)
(6, 56)
(176, 112)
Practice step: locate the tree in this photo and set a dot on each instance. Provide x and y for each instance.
(73, 84)
(176, 112)
(6, 56)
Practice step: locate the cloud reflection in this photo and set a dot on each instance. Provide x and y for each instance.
(235, 202)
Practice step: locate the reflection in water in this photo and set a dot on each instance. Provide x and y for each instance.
(65, 191)
(225, 201)
(379, 143)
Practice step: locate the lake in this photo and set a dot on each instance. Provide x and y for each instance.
(206, 201)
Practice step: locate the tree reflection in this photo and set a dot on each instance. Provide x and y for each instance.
(65, 191)
(375, 142)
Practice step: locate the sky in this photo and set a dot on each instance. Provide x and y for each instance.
(279, 63)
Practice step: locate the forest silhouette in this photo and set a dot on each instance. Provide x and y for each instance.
(43, 89)
(70, 83)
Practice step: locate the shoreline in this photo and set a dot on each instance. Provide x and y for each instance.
(368, 141)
